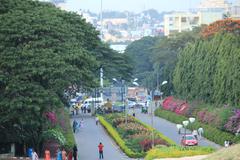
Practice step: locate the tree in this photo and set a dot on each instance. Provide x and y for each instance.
(209, 70)
(44, 52)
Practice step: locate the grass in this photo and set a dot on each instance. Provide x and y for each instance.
(231, 153)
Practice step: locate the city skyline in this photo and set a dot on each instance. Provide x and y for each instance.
(133, 5)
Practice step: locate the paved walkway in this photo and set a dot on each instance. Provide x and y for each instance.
(88, 138)
(168, 129)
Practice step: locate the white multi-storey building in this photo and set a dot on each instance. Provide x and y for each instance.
(214, 4)
(186, 21)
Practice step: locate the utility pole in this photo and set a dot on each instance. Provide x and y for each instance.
(101, 82)
(101, 18)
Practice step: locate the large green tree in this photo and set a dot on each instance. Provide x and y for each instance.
(45, 51)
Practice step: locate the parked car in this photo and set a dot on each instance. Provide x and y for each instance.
(189, 140)
(118, 108)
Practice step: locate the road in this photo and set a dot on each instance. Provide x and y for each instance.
(168, 128)
(88, 138)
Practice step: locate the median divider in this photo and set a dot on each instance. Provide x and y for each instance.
(116, 137)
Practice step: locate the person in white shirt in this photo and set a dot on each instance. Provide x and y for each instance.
(34, 155)
(200, 132)
(97, 120)
(195, 134)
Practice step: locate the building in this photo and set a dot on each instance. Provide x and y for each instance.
(235, 10)
(212, 5)
(186, 21)
(180, 21)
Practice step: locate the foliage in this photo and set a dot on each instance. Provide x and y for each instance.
(226, 25)
(156, 57)
(212, 133)
(209, 70)
(114, 134)
(177, 151)
(54, 134)
(233, 124)
(134, 134)
(45, 52)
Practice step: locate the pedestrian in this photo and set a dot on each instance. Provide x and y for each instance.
(81, 123)
(74, 125)
(100, 149)
(64, 154)
(195, 134)
(200, 132)
(97, 120)
(75, 152)
(70, 155)
(226, 143)
(59, 154)
(47, 155)
(34, 155)
(134, 114)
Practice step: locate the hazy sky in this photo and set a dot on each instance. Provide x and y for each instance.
(131, 5)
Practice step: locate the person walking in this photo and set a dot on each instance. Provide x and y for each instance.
(59, 154)
(195, 134)
(97, 120)
(70, 155)
(75, 152)
(47, 155)
(34, 155)
(64, 154)
(200, 132)
(100, 149)
(74, 126)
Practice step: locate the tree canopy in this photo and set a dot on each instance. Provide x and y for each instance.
(45, 51)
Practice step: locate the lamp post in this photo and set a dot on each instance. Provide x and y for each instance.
(185, 123)
(179, 127)
(124, 93)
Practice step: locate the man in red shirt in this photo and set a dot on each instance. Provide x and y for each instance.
(100, 149)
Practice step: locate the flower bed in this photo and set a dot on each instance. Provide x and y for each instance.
(212, 133)
(176, 152)
(134, 138)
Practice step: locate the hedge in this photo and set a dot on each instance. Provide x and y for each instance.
(121, 143)
(214, 134)
(68, 133)
(177, 151)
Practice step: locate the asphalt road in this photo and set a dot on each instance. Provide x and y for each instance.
(168, 128)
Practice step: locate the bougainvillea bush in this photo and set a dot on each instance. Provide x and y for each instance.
(233, 124)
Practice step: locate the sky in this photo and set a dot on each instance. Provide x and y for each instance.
(131, 5)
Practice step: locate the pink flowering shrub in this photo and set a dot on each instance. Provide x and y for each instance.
(233, 124)
(209, 118)
(51, 116)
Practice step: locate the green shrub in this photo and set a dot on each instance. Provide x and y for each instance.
(177, 151)
(214, 134)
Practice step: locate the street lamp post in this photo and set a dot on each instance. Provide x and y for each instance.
(179, 127)
(185, 123)
(124, 93)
